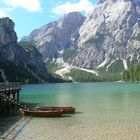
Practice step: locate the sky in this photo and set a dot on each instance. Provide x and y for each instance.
(32, 14)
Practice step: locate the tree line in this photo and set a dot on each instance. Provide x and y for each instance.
(82, 76)
(132, 74)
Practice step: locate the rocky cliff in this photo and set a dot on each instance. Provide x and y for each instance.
(17, 62)
(52, 39)
(110, 33)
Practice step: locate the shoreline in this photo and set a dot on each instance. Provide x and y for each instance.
(6, 124)
(11, 126)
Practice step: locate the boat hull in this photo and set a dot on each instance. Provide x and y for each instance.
(65, 109)
(41, 113)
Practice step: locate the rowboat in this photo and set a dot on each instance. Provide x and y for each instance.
(65, 109)
(42, 113)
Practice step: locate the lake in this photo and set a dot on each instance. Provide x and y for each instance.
(105, 111)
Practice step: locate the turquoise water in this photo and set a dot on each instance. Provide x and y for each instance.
(105, 111)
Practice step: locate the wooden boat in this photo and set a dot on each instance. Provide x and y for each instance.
(65, 109)
(42, 113)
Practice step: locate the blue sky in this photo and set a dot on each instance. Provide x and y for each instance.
(31, 14)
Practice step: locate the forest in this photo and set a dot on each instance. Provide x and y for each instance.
(132, 74)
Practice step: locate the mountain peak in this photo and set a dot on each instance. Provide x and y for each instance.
(8, 34)
(73, 16)
(109, 1)
(114, 1)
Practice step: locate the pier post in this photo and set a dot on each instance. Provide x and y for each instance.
(6, 93)
(18, 96)
(14, 95)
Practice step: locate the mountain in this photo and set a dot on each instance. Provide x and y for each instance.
(53, 38)
(106, 41)
(19, 63)
(109, 34)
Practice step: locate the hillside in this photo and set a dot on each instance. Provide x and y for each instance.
(19, 63)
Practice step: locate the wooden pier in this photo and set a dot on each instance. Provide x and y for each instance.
(9, 96)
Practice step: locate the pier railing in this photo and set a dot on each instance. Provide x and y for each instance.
(13, 101)
(10, 86)
(9, 95)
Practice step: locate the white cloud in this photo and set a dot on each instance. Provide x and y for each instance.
(3, 13)
(30, 5)
(82, 6)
